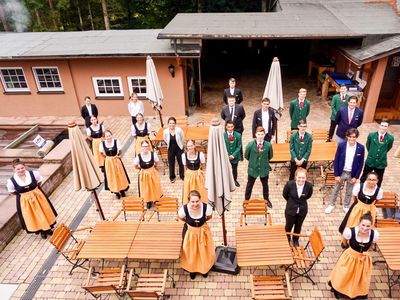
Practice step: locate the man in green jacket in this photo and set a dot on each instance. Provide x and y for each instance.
(299, 109)
(338, 101)
(300, 148)
(258, 152)
(233, 142)
(378, 145)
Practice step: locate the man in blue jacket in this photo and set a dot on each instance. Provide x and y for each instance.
(348, 164)
(347, 117)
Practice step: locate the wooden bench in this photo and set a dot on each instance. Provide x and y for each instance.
(270, 287)
(148, 286)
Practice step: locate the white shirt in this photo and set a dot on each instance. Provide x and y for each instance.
(381, 135)
(109, 145)
(181, 212)
(89, 108)
(356, 190)
(202, 158)
(145, 158)
(20, 182)
(350, 153)
(140, 127)
(265, 120)
(232, 109)
(88, 132)
(232, 91)
(299, 192)
(135, 107)
(347, 235)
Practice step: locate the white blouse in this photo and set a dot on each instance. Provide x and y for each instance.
(145, 158)
(356, 190)
(109, 145)
(20, 182)
(88, 132)
(202, 158)
(347, 235)
(135, 107)
(181, 212)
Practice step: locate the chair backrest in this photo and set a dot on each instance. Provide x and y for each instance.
(270, 287)
(166, 205)
(320, 135)
(163, 151)
(330, 179)
(256, 207)
(152, 283)
(108, 281)
(133, 204)
(389, 200)
(289, 134)
(201, 148)
(379, 223)
(60, 237)
(182, 121)
(316, 242)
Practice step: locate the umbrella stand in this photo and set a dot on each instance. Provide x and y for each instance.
(98, 205)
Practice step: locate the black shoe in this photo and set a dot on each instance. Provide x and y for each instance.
(149, 204)
(296, 243)
(205, 275)
(49, 232)
(269, 204)
(183, 178)
(237, 184)
(43, 235)
(328, 140)
(173, 180)
(192, 275)
(118, 195)
(122, 194)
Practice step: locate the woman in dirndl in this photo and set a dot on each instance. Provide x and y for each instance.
(195, 163)
(95, 133)
(351, 275)
(364, 195)
(116, 179)
(35, 211)
(149, 179)
(198, 253)
(140, 130)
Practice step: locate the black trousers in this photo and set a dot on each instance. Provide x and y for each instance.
(332, 129)
(267, 137)
(234, 170)
(250, 184)
(368, 169)
(297, 222)
(293, 168)
(133, 120)
(175, 151)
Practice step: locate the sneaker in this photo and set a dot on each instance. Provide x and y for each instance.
(345, 209)
(329, 209)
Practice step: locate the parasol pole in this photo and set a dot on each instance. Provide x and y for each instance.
(223, 224)
(98, 205)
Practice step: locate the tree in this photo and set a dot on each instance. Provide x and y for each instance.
(105, 14)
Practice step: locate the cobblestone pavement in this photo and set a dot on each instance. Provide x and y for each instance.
(24, 256)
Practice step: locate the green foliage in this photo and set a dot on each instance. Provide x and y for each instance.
(123, 14)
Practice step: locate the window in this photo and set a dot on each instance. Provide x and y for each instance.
(137, 85)
(14, 80)
(108, 86)
(47, 79)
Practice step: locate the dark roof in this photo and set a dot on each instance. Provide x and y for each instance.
(84, 44)
(297, 19)
(373, 50)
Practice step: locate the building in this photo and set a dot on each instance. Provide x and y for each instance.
(355, 36)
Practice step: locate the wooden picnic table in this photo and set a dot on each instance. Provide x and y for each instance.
(109, 240)
(319, 152)
(263, 245)
(190, 132)
(389, 245)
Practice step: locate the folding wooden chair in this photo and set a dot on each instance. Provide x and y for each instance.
(131, 204)
(306, 258)
(108, 282)
(163, 154)
(255, 207)
(270, 287)
(202, 148)
(182, 121)
(69, 246)
(148, 286)
(289, 134)
(320, 135)
(389, 202)
(329, 183)
(206, 119)
(165, 205)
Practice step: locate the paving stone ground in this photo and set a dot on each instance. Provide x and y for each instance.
(21, 260)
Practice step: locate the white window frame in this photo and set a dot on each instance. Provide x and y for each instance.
(17, 90)
(47, 89)
(129, 78)
(101, 95)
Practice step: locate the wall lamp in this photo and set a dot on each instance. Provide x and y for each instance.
(171, 69)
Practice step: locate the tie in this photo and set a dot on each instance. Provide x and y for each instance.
(343, 98)
(350, 115)
(259, 147)
(232, 113)
(380, 138)
(230, 137)
(301, 104)
(301, 138)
